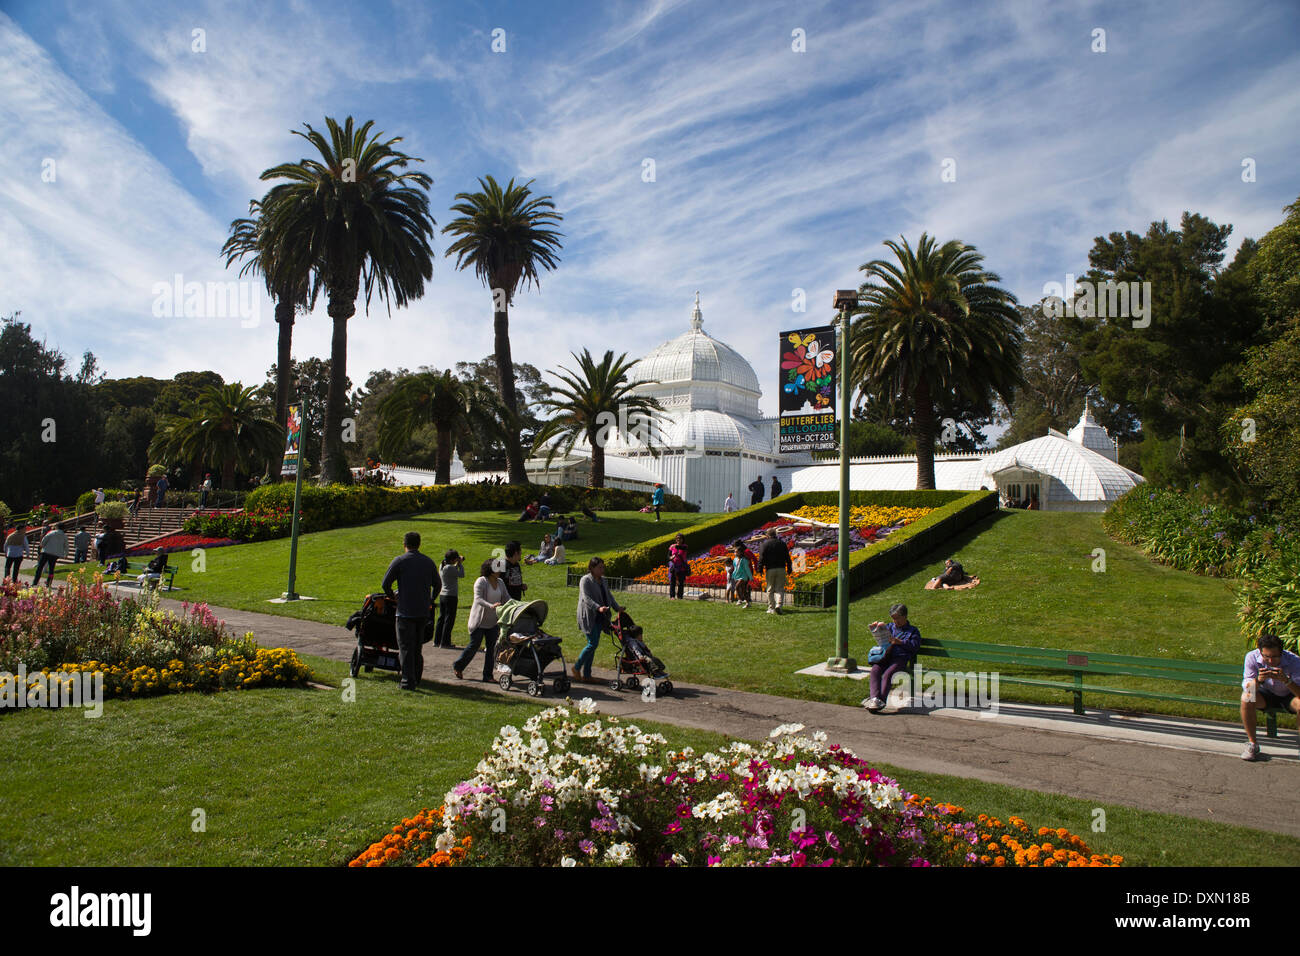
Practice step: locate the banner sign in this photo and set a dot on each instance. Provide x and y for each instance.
(809, 368)
(292, 440)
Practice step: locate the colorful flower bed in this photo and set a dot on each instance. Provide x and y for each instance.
(241, 525)
(809, 551)
(571, 789)
(140, 649)
(410, 844)
(180, 541)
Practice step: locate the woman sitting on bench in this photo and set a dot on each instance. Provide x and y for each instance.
(153, 571)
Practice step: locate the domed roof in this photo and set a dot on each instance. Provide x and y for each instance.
(694, 357)
(1080, 473)
(1091, 435)
(707, 429)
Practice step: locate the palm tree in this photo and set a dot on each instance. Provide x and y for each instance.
(930, 325)
(358, 221)
(432, 398)
(588, 406)
(287, 282)
(225, 428)
(504, 236)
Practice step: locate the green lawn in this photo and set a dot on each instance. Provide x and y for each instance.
(299, 777)
(1036, 567)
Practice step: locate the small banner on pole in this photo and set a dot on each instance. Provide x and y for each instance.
(809, 367)
(292, 441)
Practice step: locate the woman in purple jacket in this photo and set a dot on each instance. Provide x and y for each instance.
(904, 642)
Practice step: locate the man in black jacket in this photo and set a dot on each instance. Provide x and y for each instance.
(776, 488)
(414, 573)
(756, 491)
(774, 556)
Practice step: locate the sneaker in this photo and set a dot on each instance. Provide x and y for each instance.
(1250, 751)
(771, 610)
(872, 704)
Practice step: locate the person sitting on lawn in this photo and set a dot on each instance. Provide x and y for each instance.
(529, 512)
(904, 642)
(741, 573)
(585, 508)
(544, 506)
(1271, 677)
(558, 556)
(571, 529)
(153, 571)
(544, 550)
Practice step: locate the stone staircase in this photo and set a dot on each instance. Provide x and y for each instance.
(148, 524)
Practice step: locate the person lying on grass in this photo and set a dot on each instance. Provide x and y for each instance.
(953, 575)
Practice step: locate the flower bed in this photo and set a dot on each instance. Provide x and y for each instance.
(241, 525)
(180, 541)
(139, 649)
(415, 842)
(571, 789)
(809, 549)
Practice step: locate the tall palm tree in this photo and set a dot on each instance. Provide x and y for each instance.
(504, 235)
(358, 221)
(930, 325)
(432, 398)
(225, 428)
(588, 404)
(288, 282)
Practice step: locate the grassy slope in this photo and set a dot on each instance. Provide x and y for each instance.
(290, 777)
(1038, 588)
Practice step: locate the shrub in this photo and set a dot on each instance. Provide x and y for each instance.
(576, 790)
(1268, 602)
(156, 471)
(4, 516)
(240, 525)
(112, 509)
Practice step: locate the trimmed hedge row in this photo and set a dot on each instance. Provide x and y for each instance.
(331, 506)
(954, 511)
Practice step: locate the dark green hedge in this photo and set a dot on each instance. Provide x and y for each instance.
(954, 511)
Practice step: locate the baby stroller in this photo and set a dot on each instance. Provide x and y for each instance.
(524, 650)
(633, 657)
(376, 629)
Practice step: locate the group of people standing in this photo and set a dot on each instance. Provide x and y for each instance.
(500, 579)
(755, 493)
(742, 567)
(54, 546)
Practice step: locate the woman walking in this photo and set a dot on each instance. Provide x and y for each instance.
(679, 566)
(451, 571)
(15, 545)
(489, 594)
(657, 499)
(594, 604)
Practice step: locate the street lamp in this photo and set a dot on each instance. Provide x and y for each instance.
(291, 594)
(846, 300)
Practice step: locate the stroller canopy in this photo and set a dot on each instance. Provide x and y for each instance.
(512, 609)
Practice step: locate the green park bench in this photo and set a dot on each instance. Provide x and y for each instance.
(136, 568)
(1082, 665)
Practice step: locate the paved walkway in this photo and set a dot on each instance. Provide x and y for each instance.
(1188, 767)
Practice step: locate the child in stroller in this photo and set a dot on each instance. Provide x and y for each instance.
(632, 657)
(526, 650)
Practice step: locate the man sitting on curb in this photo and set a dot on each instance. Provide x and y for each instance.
(1271, 677)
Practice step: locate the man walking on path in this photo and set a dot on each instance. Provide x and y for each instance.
(81, 544)
(756, 491)
(414, 573)
(53, 546)
(730, 504)
(776, 488)
(775, 558)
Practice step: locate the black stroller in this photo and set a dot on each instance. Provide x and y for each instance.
(524, 650)
(376, 629)
(633, 658)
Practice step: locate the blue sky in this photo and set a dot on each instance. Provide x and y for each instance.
(775, 170)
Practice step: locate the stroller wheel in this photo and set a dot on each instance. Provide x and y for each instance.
(561, 685)
(666, 687)
(504, 680)
(616, 684)
(356, 661)
(633, 682)
(534, 689)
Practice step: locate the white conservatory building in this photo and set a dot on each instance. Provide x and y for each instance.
(711, 438)
(1077, 471)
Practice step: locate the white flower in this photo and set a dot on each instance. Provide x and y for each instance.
(590, 730)
(785, 729)
(619, 853)
(679, 859)
(568, 861)
(445, 841)
(587, 706)
(649, 774)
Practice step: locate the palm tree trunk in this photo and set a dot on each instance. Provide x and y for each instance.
(597, 477)
(334, 464)
(228, 472)
(924, 412)
(283, 372)
(443, 471)
(506, 381)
